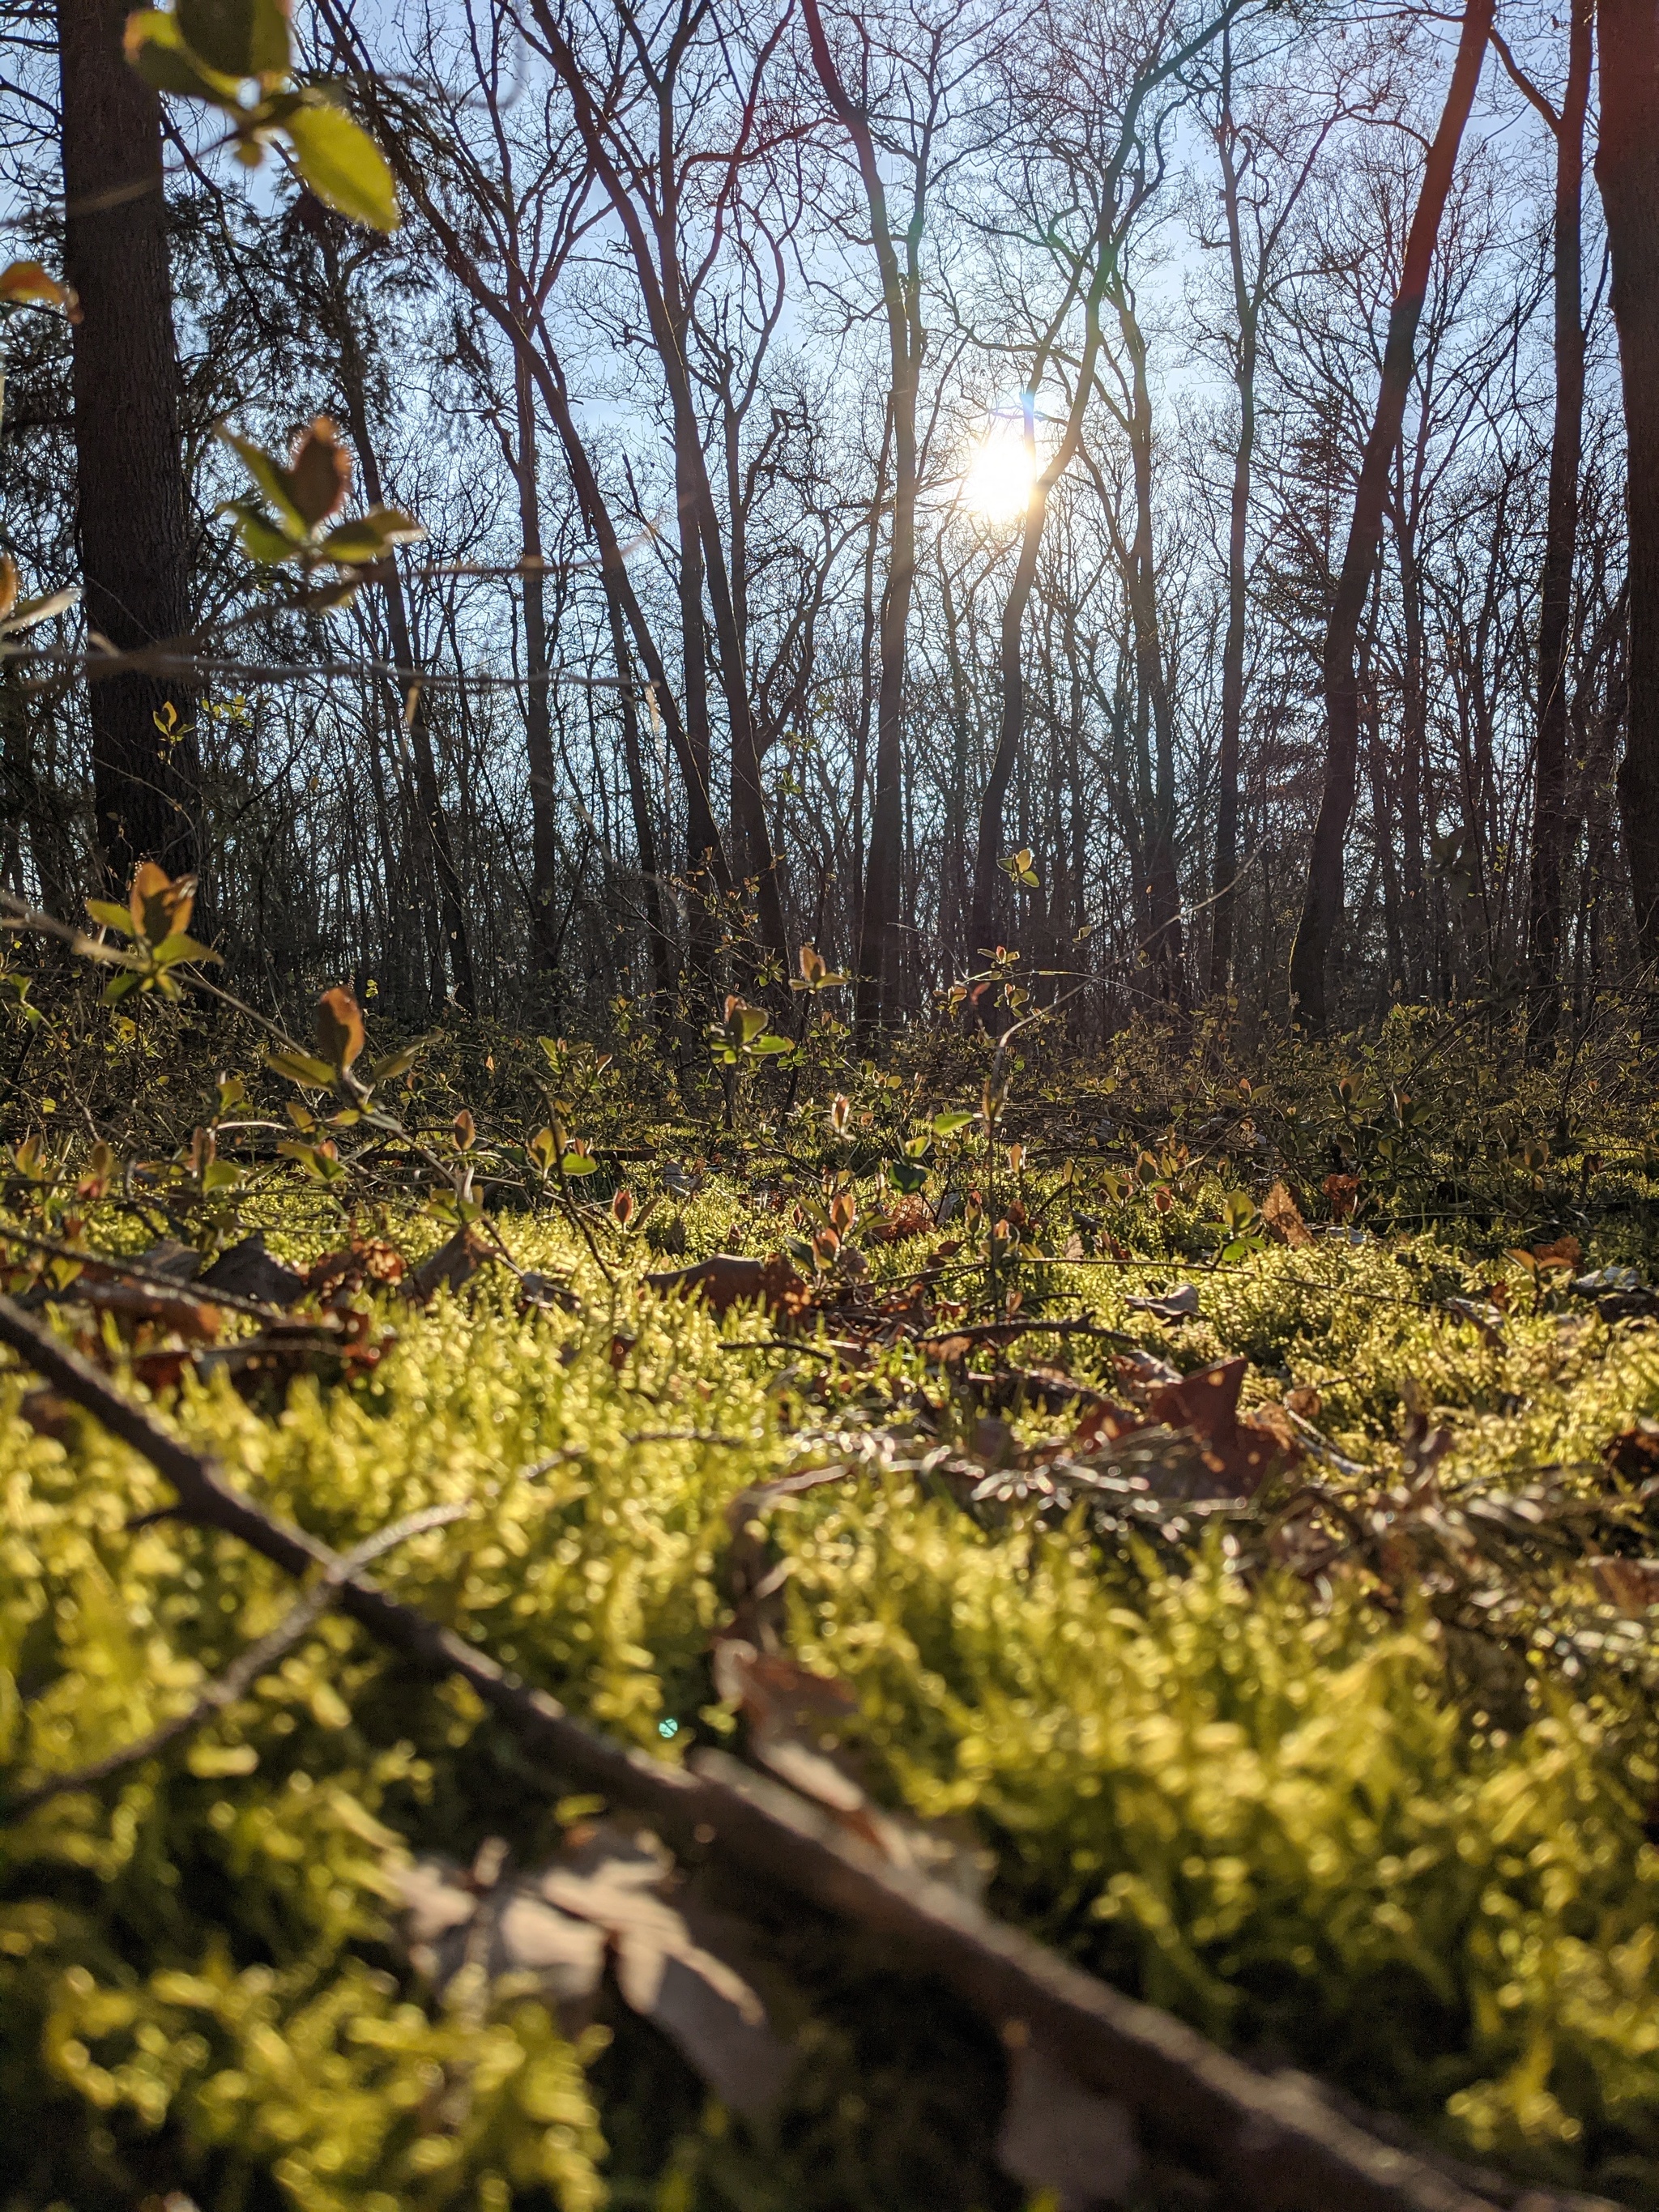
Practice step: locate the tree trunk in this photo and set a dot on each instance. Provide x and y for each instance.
(1549, 810)
(1627, 171)
(1247, 307)
(130, 494)
(1165, 948)
(1321, 906)
(456, 941)
(537, 714)
(645, 837)
(877, 990)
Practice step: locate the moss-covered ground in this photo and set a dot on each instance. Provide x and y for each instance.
(1384, 1807)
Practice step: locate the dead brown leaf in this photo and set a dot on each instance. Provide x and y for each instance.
(1561, 1252)
(1341, 1195)
(451, 1265)
(728, 1279)
(610, 1897)
(246, 1270)
(1237, 1451)
(1632, 1585)
(368, 1263)
(1284, 1217)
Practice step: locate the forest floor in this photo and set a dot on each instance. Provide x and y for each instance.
(1207, 1522)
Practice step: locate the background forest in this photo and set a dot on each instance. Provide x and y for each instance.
(855, 450)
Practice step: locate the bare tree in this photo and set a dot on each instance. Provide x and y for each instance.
(1322, 901)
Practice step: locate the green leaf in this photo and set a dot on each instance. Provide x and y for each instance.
(343, 165)
(946, 1125)
(118, 985)
(579, 1163)
(906, 1177)
(157, 48)
(371, 536)
(178, 947)
(268, 472)
(395, 1063)
(113, 916)
(263, 539)
(240, 37)
(769, 1047)
(301, 1067)
(39, 610)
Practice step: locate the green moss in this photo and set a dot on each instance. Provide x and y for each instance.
(1280, 1814)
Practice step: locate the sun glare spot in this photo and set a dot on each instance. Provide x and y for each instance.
(1001, 474)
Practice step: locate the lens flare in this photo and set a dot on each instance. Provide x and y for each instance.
(1001, 475)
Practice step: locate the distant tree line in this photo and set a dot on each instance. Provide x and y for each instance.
(1160, 493)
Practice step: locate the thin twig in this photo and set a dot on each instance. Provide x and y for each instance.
(243, 1672)
(181, 1286)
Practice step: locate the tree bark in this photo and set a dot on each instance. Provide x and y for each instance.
(1549, 811)
(1248, 306)
(130, 493)
(456, 943)
(645, 836)
(877, 990)
(537, 714)
(1321, 905)
(1627, 171)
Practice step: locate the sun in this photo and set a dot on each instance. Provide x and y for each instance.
(1001, 475)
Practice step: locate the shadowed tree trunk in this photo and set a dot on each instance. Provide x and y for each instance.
(1627, 171)
(876, 992)
(451, 901)
(130, 493)
(1246, 305)
(1321, 906)
(1549, 808)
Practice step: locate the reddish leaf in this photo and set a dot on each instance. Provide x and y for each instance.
(339, 1028)
(1239, 1453)
(1342, 1195)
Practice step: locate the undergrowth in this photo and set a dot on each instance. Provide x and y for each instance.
(1381, 1810)
(1280, 1813)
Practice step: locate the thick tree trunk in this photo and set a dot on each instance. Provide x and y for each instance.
(1627, 171)
(1165, 948)
(1549, 808)
(876, 992)
(130, 493)
(1321, 906)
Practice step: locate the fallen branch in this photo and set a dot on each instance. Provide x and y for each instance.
(243, 1672)
(1272, 2144)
